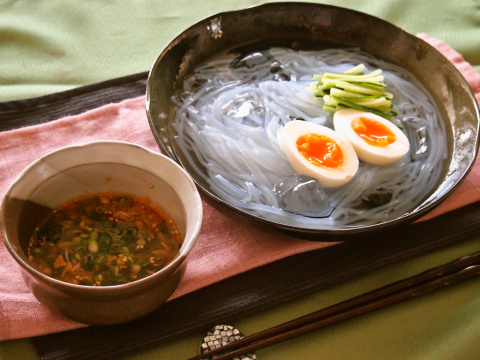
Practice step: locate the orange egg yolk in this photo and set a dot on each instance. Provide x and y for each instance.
(373, 132)
(320, 150)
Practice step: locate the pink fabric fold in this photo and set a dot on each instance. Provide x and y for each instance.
(229, 243)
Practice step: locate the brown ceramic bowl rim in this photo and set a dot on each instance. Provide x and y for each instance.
(180, 53)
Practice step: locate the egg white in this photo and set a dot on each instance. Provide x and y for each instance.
(376, 155)
(327, 177)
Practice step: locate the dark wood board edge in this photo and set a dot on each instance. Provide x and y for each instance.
(240, 295)
(260, 289)
(20, 113)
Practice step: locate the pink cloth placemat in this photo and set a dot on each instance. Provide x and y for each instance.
(229, 243)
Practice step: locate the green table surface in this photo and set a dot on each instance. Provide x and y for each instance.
(56, 45)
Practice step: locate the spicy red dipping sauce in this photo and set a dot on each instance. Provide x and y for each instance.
(104, 239)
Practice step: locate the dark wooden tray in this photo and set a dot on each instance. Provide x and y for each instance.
(240, 295)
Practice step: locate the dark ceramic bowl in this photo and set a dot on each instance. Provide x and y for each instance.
(306, 26)
(98, 167)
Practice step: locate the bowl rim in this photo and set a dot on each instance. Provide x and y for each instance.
(176, 262)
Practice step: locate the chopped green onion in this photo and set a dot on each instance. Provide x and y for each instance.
(99, 259)
(36, 251)
(93, 246)
(113, 231)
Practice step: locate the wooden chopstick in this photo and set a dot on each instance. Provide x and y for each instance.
(451, 273)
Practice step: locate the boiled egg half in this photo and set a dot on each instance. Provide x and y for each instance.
(376, 140)
(319, 152)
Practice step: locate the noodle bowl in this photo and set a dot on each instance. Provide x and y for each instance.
(230, 117)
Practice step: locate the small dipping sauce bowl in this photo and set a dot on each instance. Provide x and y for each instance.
(101, 166)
